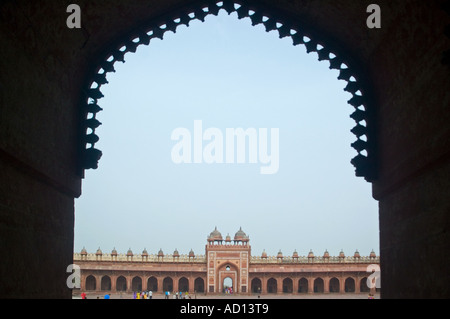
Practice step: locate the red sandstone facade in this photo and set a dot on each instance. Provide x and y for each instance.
(224, 259)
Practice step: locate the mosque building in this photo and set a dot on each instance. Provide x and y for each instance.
(227, 263)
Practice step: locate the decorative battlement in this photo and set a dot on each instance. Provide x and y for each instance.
(315, 260)
(154, 258)
(202, 259)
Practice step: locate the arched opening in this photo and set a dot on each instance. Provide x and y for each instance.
(167, 284)
(91, 283)
(256, 286)
(272, 286)
(183, 284)
(199, 285)
(121, 283)
(288, 285)
(318, 285)
(228, 287)
(349, 285)
(324, 53)
(152, 284)
(106, 283)
(136, 284)
(334, 285)
(303, 285)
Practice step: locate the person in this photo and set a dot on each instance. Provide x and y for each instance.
(150, 294)
(83, 295)
(167, 294)
(107, 296)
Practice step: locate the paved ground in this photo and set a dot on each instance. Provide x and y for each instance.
(268, 296)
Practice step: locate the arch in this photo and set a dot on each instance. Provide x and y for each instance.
(91, 283)
(363, 287)
(121, 283)
(227, 284)
(136, 283)
(349, 69)
(183, 284)
(334, 285)
(105, 283)
(288, 285)
(272, 286)
(318, 285)
(152, 284)
(168, 284)
(199, 285)
(303, 285)
(256, 285)
(349, 285)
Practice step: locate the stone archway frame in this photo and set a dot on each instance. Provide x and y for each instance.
(273, 20)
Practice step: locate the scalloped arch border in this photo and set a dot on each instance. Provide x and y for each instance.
(286, 25)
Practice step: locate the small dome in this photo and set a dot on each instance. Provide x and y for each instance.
(99, 251)
(341, 254)
(356, 255)
(280, 254)
(228, 238)
(372, 254)
(129, 252)
(144, 252)
(215, 235)
(264, 254)
(191, 253)
(311, 254)
(175, 253)
(160, 253)
(326, 254)
(295, 254)
(83, 251)
(114, 252)
(240, 235)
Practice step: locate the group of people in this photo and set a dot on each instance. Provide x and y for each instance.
(84, 296)
(228, 290)
(177, 295)
(143, 294)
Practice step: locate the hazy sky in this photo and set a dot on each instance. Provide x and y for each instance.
(228, 74)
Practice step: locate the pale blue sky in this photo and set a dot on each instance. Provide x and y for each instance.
(228, 74)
